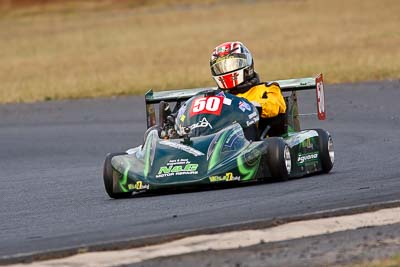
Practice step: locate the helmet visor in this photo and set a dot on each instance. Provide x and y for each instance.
(228, 65)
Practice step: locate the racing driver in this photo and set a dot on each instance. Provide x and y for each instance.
(232, 68)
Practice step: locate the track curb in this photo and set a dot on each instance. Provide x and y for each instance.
(152, 240)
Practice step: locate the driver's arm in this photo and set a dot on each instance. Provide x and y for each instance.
(269, 97)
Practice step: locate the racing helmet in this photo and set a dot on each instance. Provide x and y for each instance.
(231, 64)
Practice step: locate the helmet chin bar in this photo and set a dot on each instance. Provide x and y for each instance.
(230, 80)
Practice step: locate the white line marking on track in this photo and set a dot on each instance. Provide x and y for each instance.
(228, 240)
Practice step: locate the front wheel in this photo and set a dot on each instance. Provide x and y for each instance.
(326, 152)
(108, 177)
(278, 158)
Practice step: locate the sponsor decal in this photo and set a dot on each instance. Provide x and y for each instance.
(307, 144)
(253, 118)
(227, 178)
(201, 124)
(243, 106)
(207, 105)
(223, 50)
(251, 122)
(182, 118)
(253, 115)
(227, 101)
(138, 186)
(182, 147)
(178, 167)
(302, 158)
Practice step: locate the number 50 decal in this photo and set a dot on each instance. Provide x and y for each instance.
(320, 97)
(208, 105)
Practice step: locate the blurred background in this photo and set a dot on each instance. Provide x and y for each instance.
(66, 49)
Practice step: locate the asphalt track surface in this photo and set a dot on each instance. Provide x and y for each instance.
(51, 156)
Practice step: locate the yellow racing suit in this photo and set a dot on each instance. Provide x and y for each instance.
(269, 97)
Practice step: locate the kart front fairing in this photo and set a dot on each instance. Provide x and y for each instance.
(219, 157)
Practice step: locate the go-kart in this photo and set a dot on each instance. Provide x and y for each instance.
(205, 136)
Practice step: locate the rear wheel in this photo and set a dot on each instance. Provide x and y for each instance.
(326, 152)
(278, 158)
(108, 177)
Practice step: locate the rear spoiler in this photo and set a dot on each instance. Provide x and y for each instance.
(174, 95)
(298, 84)
(289, 85)
(314, 83)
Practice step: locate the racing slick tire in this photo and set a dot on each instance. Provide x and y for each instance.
(326, 151)
(108, 177)
(278, 158)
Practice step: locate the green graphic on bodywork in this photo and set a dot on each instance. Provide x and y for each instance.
(146, 168)
(247, 172)
(290, 129)
(122, 182)
(214, 159)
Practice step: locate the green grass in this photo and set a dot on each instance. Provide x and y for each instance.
(78, 49)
